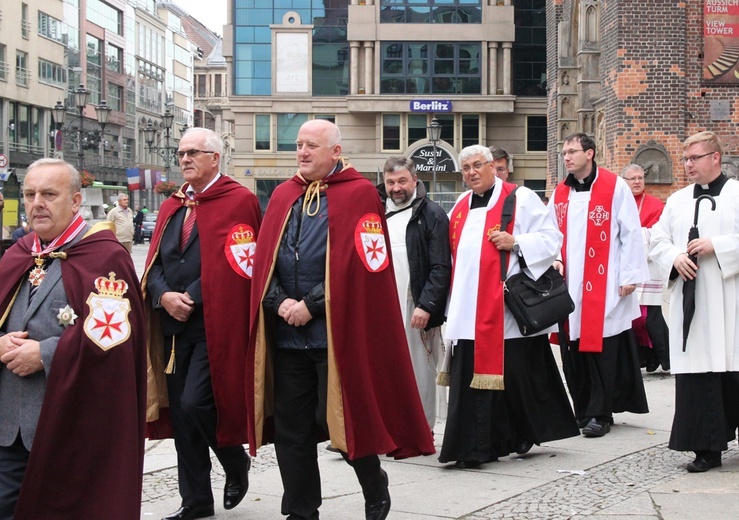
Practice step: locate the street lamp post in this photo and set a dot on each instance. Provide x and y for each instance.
(80, 100)
(167, 153)
(434, 136)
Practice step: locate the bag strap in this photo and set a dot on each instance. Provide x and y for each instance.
(509, 205)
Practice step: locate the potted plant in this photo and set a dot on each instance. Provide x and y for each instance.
(86, 178)
(166, 188)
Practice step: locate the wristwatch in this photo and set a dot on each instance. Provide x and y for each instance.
(516, 247)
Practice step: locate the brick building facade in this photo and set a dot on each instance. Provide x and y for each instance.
(634, 75)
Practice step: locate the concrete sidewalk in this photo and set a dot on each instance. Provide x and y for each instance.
(627, 474)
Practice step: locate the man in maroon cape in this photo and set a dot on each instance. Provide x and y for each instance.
(196, 287)
(72, 384)
(327, 352)
(652, 333)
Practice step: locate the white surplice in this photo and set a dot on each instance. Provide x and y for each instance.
(627, 260)
(713, 341)
(539, 242)
(425, 347)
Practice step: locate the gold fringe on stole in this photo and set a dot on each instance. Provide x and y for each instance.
(487, 382)
(444, 379)
(170, 366)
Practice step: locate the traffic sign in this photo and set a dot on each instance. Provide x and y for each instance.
(3, 160)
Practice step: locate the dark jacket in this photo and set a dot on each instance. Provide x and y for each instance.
(300, 273)
(429, 255)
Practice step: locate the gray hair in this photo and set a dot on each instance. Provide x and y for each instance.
(474, 150)
(212, 140)
(498, 153)
(394, 164)
(75, 183)
(632, 167)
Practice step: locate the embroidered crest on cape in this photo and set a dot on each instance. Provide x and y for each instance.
(107, 324)
(240, 246)
(599, 215)
(369, 241)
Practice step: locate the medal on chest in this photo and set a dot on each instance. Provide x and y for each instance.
(36, 276)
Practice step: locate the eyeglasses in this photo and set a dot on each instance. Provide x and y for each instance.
(565, 153)
(467, 168)
(634, 179)
(192, 153)
(694, 158)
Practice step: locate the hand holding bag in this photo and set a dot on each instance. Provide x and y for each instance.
(535, 304)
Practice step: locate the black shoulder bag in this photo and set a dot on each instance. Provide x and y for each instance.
(536, 304)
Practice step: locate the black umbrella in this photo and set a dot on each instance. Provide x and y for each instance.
(689, 285)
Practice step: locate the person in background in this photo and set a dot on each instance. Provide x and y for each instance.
(122, 216)
(72, 348)
(419, 241)
(22, 231)
(707, 368)
(505, 392)
(197, 278)
(138, 221)
(652, 334)
(603, 252)
(327, 355)
(500, 162)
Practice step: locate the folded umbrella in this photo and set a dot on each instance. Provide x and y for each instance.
(689, 285)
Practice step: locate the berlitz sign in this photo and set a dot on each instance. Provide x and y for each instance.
(428, 105)
(423, 158)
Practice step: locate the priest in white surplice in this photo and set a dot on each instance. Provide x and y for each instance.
(603, 258)
(505, 392)
(707, 371)
(419, 240)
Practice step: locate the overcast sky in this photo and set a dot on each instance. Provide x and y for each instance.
(211, 13)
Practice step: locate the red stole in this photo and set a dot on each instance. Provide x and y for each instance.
(650, 209)
(597, 249)
(490, 316)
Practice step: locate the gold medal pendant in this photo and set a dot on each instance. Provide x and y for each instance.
(37, 274)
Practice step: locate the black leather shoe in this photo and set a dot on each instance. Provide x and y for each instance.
(704, 461)
(524, 447)
(191, 512)
(467, 464)
(379, 510)
(597, 427)
(236, 486)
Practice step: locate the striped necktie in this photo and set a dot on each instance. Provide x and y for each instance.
(187, 225)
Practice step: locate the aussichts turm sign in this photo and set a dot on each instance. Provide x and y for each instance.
(431, 105)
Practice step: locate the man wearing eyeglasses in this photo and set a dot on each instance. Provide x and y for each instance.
(707, 366)
(652, 334)
(603, 258)
(493, 370)
(196, 285)
(500, 162)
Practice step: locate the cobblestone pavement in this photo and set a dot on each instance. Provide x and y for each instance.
(580, 494)
(162, 484)
(595, 490)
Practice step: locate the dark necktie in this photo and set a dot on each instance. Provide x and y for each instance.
(188, 224)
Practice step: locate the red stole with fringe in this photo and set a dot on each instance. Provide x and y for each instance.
(490, 314)
(597, 252)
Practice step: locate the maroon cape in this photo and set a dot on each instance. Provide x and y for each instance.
(373, 403)
(221, 207)
(87, 459)
(650, 209)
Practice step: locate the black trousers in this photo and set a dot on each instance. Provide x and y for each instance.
(659, 334)
(194, 419)
(706, 411)
(607, 382)
(300, 420)
(13, 462)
